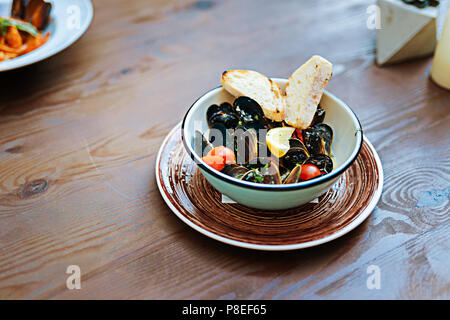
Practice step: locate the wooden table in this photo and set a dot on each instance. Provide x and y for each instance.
(79, 135)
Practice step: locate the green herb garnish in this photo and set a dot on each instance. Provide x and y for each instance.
(21, 25)
(258, 177)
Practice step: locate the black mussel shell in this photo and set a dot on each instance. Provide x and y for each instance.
(230, 120)
(326, 133)
(225, 108)
(294, 157)
(319, 116)
(212, 111)
(297, 143)
(222, 118)
(220, 135)
(250, 113)
(322, 161)
(284, 172)
(201, 145)
(318, 139)
(235, 170)
(245, 145)
(294, 175)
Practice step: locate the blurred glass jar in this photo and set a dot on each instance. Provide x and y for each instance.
(440, 70)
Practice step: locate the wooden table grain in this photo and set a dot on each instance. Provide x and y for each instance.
(79, 134)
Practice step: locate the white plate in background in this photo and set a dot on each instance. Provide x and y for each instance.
(69, 21)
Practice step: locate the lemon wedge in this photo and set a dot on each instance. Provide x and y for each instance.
(277, 140)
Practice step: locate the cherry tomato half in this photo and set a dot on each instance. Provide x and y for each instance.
(215, 162)
(309, 171)
(226, 153)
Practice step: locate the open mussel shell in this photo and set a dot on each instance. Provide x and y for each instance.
(294, 175)
(318, 139)
(322, 161)
(268, 174)
(250, 113)
(297, 143)
(271, 173)
(284, 172)
(297, 154)
(234, 170)
(259, 172)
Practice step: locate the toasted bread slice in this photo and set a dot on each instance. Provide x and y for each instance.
(254, 85)
(304, 91)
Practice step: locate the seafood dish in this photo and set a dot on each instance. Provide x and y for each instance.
(22, 32)
(266, 136)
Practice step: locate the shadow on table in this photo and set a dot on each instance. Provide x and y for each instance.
(22, 89)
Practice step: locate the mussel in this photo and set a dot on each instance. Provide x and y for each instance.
(284, 172)
(297, 154)
(267, 174)
(322, 161)
(294, 175)
(271, 173)
(318, 139)
(319, 116)
(18, 9)
(253, 175)
(241, 126)
(245, 145)
(219, 135)
(36, 12)
(224, 108)
(250, 113)
(222, 114)
(235, 170)
(222, 120)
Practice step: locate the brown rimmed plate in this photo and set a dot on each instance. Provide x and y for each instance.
(346, 205)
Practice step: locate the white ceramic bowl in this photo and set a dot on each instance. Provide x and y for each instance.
(347, 141)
